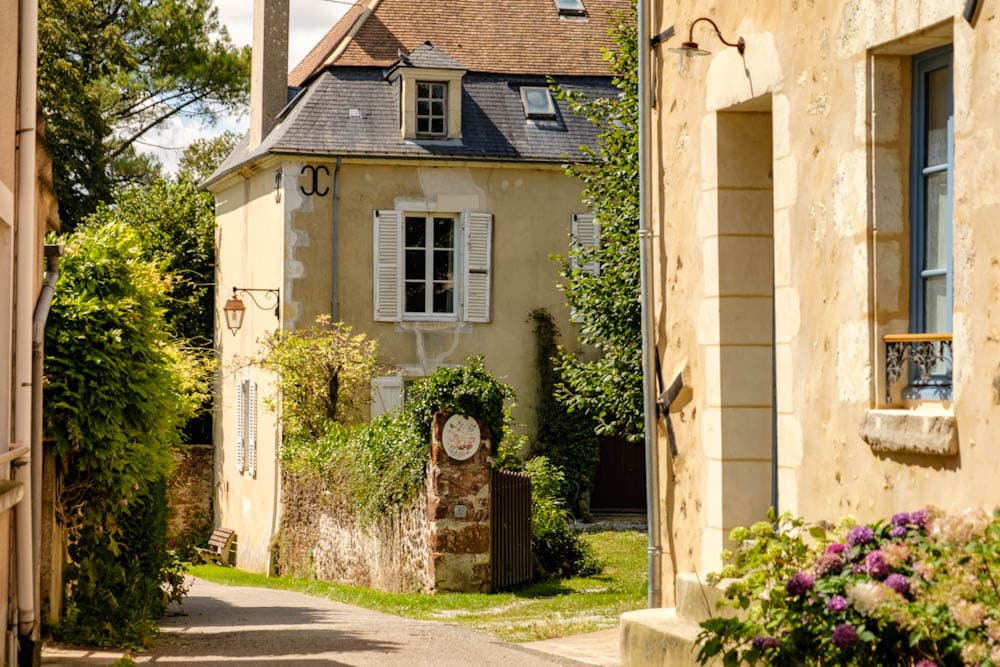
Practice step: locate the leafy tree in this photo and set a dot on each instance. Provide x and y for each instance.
(203, 156)
(111, 70)
(119, 389)
(609, 387)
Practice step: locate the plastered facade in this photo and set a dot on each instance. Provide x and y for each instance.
(273, 234)
(781, 178)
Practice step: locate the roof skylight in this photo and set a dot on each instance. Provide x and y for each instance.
(537, 102)
(571, 8)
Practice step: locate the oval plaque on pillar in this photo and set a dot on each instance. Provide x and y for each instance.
(460, 437)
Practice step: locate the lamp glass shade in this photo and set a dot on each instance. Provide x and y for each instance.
(690, 59)
(234, 310)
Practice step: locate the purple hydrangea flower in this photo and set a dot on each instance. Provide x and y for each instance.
(897, 531)
(898, 583)
(844, 635)
(837, 603)
(860, 535)
(828, 563)
(876, 566)
(836, 548)
(900, 520)
(858, 568)
(926, 663)
(763, 643)
(800, 584)
(920, 519)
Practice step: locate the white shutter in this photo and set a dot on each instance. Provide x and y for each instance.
(251, 438)
(586, 234)
(478, 252)
(241, 392)
(387, 394)
(388, 250)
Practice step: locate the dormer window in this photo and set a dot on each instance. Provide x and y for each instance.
(537, 102)
(432, 109)
(571, 8)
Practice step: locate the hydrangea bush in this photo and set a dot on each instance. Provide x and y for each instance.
(919, 589)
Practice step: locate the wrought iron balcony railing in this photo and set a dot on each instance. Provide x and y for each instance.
(929, 358)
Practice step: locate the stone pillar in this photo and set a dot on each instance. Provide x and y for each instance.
(458, 504)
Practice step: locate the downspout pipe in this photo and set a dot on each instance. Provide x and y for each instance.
(649, 353)
(970, 12)
(52, 254)
(335, 283)
(26, 248)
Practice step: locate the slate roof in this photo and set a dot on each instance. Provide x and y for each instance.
(512, 36)
(321, 121)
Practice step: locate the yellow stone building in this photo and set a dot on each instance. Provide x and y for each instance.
(823, 196)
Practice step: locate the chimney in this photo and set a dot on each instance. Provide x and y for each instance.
(269, 67)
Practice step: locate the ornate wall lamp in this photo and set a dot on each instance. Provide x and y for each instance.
(234, 308)
(689, 52)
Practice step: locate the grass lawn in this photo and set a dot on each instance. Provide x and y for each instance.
(538, 611)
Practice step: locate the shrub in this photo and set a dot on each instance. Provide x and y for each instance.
(919, 589)
(558, 549)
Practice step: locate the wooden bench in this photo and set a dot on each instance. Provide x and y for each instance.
(219, 545)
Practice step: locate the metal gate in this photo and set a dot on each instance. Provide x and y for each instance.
(510, 532)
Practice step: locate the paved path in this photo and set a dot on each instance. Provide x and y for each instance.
(258, 626)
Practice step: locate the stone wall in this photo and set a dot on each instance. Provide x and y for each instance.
(439, 541)
(189, 495)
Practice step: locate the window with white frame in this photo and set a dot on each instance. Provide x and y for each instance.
(246, 427)
(432, 109)
(432, 266)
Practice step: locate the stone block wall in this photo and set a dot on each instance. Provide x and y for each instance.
(440, 541)
(189, 495)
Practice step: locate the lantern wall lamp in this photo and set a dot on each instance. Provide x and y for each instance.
(689, 50)
(234, 308)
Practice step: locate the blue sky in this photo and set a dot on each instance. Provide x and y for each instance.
(309, 21)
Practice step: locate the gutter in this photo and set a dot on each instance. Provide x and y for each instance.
(52, 254)
(335, 283)
(649, 353)
(26, 249)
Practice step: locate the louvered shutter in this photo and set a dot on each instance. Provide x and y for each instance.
(251, 437)
(241, 391)
(388, 250)
(478, 253)
(586, 234)
(387, 394)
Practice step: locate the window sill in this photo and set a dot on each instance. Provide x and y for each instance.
(911, 431)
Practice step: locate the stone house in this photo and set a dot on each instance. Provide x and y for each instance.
(27, 210)
(405, 178)
(823, 199)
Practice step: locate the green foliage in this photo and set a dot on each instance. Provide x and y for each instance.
(323, 374)
(175, 225)
(203, 156)
(609, 387)
(467, 390)
(559, 550)
(919, 589)
(119, 390)
(568, 440)
(111, 71)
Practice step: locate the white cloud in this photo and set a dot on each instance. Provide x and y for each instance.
(309, 20)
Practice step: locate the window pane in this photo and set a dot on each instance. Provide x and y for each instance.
(415, 302)
(937, 317)
(423, 108)
(423, 125)
(423, 90)
(444, 264)
(415, 265)
(415, 234)
(938, 82)
(437, 126)
(444, 298)
(444, 233)
(437, 91)
(437, 109)
(936, 241)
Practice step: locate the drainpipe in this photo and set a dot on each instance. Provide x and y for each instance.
(970, 12)
(335, 295)
(52, 254)
(27, 230)
(649, 352)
